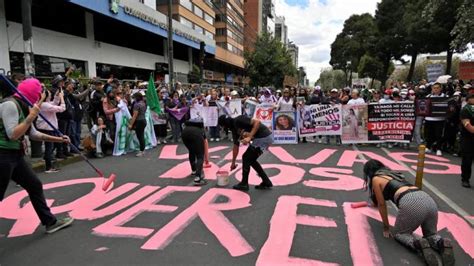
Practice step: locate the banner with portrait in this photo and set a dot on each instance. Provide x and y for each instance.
(392, 122)
(284, 128)
(264, 113)
(232, 108)
(319, 119)
(354, 124)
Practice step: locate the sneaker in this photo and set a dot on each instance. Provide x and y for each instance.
(140, 154)
(390, 146)
(193, 173)
(427, 150)
(429, 255)
(264, 185)
(158, 142)
(378, 145)
(218, 139)
(439, 153)
(241, 187)
(164, 141)
(198, 181)
(445, 247)
(60, 224)
(466, 184)
(99, 155)
(51, 171)
(320, 141)
(212, 139)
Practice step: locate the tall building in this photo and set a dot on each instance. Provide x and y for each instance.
(293, 50)
(281, 30)
(126, 38)
(260, 17)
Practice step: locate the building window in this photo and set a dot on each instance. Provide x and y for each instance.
(141, 1)
(186, 22)
(198, 11)
(198, 29)
(187, 4)
(209, 19)
(209, 34)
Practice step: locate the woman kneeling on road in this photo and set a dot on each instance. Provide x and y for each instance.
(415, 208)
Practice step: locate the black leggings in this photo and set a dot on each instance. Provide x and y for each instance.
(140, 126)
(249, 159)
(193, 139)
(434, 134)
(14, 166)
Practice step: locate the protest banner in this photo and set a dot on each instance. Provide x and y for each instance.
(319, 119)
(432, 106)
(354, 124)
(391, 122)
(232, 108)
(210, 116)
(197, 112)
(249, 107)
(264, 113)
(433, 71)
(284, 128)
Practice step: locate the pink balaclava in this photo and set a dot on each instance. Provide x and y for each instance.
(31, 89)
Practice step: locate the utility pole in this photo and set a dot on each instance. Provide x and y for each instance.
(27, 37)
(170, 43)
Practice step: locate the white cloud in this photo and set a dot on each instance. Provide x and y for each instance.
(314, 27)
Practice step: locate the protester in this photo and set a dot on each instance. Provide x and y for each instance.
(194, 139)
(268, 97)
(467, 140)
(161, 120)
(16, 121)
(64, 118)
(138, 121)
(355, 99)
(176, 123)
(434, 125)
(214, 132)
(52, 105)
(101, 135)
(258, 137)
(415, 208)
(286, 102)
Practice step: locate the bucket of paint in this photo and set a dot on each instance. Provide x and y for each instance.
(222, 178)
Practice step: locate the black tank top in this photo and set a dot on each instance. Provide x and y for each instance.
(397, 181)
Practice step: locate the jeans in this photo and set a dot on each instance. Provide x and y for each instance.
(140, 126)
(214, 132)
(417, 131)
(176, 127)
(193, 139)
(15, 167)
(48, 149)
(63, 126)
(249, 159)
(74, 135)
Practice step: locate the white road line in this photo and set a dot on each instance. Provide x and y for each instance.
(464, 214)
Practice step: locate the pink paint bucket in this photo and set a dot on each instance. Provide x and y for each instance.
(222, 178)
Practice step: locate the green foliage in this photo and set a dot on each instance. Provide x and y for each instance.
(330, 78)
(269, 62)
(352, 43)
(371, 67)
(463, 31)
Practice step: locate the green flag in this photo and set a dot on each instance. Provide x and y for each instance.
(152, 99)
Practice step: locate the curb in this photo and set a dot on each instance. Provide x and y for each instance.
(39, 166)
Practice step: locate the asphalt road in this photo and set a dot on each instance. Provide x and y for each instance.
(153, 214)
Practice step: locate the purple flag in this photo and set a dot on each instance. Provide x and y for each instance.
(179, 113)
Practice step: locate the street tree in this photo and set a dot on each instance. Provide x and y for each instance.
(371, 67)
(331, 78)
(463, 30)
(269, 62)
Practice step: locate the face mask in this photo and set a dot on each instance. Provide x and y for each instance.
(386, 97)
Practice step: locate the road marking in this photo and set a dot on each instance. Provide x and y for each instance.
(464, 214)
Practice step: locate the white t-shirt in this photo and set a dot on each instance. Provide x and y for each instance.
(284, 105)
(356, 101)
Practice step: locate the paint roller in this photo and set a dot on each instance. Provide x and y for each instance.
(360, 204)
(107, 182)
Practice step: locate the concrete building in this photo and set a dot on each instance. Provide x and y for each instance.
(260, 17)
(126, 38)
(281, 30)
(293, 50)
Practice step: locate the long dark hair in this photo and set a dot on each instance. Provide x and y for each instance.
(371, 167)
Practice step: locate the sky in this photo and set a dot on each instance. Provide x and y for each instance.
(314, 24)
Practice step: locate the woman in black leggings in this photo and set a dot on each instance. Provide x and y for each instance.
(138, 121)
(193, 137)
(415, 208)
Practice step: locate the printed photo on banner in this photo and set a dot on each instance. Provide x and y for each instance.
(209, 114)
(197, 112)
(319, 119)
(284, 128)
(232, 108)
(264, 113)
(392, 122)
(249, 107)
(354, 124)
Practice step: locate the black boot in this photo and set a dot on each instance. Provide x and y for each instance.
(445, 248)
(429, 255)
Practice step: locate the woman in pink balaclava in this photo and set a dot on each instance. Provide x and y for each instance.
(16, 120)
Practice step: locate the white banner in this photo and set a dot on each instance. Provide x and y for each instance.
(232, 108)
(264, 113)
(320, 119)
(209, 114)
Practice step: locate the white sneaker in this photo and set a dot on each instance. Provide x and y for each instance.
(218, 139)
(390, 146)
(51, 171)
(164, 141)
(439, 153)
(427, 150)
(212, 139)
(158, 142)
(140, 154)
(320, 141)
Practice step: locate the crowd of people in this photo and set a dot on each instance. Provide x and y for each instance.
(69, 104)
